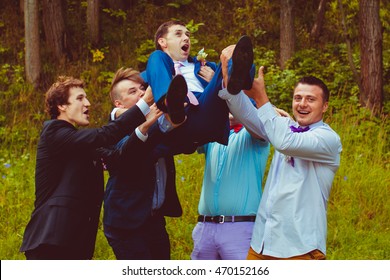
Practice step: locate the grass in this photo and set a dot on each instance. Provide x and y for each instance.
(358, 209)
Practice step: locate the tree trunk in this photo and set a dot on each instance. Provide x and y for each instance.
(317, 27)
(21, 6)
(54, 26)
(31, 29)
(93, 21)
(287, 31)
(371, 41)
(349, 47)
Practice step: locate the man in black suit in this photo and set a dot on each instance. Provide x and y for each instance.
(69, 183)
(141, 189)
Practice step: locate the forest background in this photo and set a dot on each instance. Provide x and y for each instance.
(346, 43)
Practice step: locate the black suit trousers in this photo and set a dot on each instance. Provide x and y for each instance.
(147, 242)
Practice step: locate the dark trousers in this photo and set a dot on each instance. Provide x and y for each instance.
(54, 252)
(148, 242)
(207, 122)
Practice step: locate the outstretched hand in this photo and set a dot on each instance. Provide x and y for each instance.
(151, 118)
(148, 96)
(283, 113)
(226, 54)
(258, 92)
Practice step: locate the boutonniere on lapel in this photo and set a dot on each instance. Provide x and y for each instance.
(201, 56)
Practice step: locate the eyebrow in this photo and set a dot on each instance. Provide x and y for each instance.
(187, 32)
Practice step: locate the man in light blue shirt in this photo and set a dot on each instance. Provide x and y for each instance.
(230, 197)
(291, 221)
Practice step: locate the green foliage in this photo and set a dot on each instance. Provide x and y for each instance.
(359, 209)
(179, 3)
(358, 212)
(144, 50)
(116, 13)
(193, 28)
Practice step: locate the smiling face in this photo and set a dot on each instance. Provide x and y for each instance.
(176, 43)
(308, 104)
(129, 93)
(76, 111)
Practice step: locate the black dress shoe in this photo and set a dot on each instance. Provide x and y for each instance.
(161, 104)
(242, 59)
(175, 98)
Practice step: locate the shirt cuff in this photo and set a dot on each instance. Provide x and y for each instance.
(113, 113)
(139, 134)
(164, 124)
(143, 106)
(224, 94)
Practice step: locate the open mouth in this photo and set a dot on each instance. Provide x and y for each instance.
(303, 112)
(86, 112)
(185, 47)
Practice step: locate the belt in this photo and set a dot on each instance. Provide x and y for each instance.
(223, 219)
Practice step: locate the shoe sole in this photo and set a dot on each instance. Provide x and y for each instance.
(242, 63)
(175, 98)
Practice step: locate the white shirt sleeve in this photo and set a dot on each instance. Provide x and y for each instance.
(139, 134)
(319, 144)
(243, 110)
(143, 106)
(113, 113)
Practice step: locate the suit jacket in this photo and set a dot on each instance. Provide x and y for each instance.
(69, 183)
(160, 70)
(130, 187)
(207, 122)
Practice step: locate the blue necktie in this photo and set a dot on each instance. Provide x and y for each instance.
(298, 130)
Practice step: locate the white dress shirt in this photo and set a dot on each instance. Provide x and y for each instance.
(291, 219)
(187, 70)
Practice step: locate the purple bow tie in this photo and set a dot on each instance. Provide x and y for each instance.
(299, 129)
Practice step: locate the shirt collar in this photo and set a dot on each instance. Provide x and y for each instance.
(313, 125)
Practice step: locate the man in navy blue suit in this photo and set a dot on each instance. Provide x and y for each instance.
(206, 117)
(141, 189)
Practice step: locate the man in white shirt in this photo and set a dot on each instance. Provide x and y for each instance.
(291, 221)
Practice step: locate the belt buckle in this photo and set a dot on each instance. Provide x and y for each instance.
(221, 219)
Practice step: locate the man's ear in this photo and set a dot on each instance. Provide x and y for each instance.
(162, 42)
(118, 103)
(62, 108)
(325, 107)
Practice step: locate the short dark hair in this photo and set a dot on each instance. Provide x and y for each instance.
(314, 81)
(58, 94)
(124, 74)
(163, 30)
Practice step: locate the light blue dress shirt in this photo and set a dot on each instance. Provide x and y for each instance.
(291, 220)
(232, 182)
